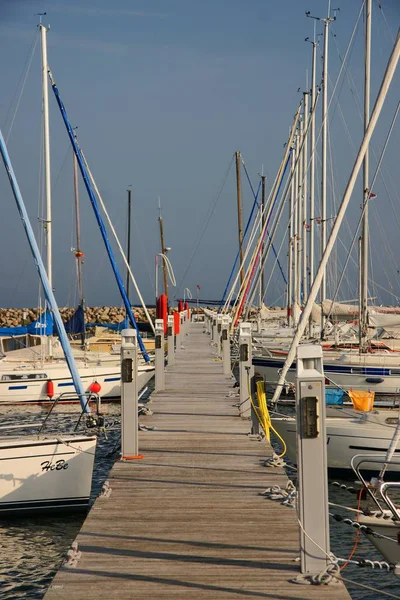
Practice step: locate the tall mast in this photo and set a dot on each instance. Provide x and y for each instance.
(160, 220)
(46, 136)
(323, 158)
(385, 85)
(291, 240)
(300, 213)
(295, 230)
(304, 198)
(86, 178)
(69, 357)
(263, 217)
(366, 190)
(312, 163)
(239, 211)
(327, 21)
(78, 252)
(128, 243)
(291, 235)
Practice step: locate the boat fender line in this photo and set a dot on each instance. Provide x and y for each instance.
(105, 490)
(359, 526)
(78, 449)
(331, 574)
(350, 488)
(73, 556)
(275, 461)
(382, 565)
(287, 495)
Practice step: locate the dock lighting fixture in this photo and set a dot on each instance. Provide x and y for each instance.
(128, 338)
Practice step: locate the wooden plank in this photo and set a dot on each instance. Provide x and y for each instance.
(188, 520)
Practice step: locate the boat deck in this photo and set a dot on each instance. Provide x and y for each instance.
(188, 521)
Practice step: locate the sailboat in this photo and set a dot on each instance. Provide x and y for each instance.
(46, 472)
(368, 365)
(366, 434)
(30, 375)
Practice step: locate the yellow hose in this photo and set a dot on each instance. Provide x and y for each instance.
(264, 416)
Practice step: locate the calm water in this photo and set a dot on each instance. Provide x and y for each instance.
(31, 550)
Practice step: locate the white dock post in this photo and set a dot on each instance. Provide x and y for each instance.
(171, 340)
(129, 395)
(214, 329)
(183, 329)
(219, 331)
(160, 358)
(226, 344)
(311, 459)
(246, 369)
(185, 322)
(182, 326)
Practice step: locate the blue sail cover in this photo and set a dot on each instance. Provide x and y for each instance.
(42, 326)
(76, 323)
(113, 326)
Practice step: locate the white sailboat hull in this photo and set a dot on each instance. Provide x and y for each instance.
(345, 439)
(38, 475)
(24, 384)
(381, 378)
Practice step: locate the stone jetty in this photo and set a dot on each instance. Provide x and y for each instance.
(13, 317)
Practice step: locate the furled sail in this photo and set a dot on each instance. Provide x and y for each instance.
(43, 325)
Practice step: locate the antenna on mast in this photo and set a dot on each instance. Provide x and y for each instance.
(40, 15)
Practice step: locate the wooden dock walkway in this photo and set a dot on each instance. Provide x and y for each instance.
(188, 521)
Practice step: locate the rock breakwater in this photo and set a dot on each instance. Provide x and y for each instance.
(13, 317)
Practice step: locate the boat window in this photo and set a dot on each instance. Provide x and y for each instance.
(357, 369)
(23, 376)
(395, 371)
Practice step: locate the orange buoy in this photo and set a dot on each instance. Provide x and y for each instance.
(180, 306)
(187, 310)
(50, 388)
(95, 387)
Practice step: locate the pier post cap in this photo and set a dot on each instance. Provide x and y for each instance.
(309, 351)
(128, 338)
(244, 329)
(309, 362)
(159, 326)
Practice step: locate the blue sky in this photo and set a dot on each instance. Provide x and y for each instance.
(163, 93)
